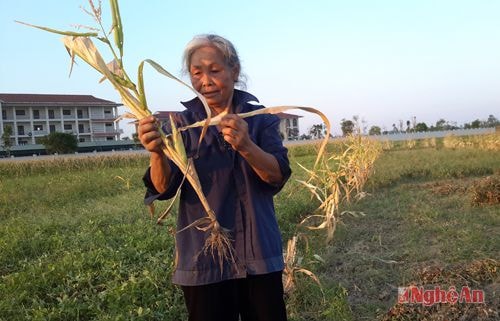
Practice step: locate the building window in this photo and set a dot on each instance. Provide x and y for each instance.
(81, 128)
(107, 111)
(109, 125)
(66, 112)
(79, 113)
(51, 114)
(4, 114)
(68, 127)
(287, 122)
(110, 138)
(38, 127)
(20, 130)
(20, 112)
(36, 114)
(81, 140)
(52, 128)
(294, 122)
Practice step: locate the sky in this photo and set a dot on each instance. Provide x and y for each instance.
(382, 60)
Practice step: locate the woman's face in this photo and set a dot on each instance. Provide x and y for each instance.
(212, 77)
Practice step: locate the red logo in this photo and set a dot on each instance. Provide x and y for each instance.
(428, 297)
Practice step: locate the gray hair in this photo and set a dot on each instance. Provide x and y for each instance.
(225, 47)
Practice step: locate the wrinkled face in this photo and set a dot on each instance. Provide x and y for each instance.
(212, 77)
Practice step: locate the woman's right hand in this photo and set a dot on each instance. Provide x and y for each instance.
(149, 135)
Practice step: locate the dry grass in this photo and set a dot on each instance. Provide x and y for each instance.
(486, 191)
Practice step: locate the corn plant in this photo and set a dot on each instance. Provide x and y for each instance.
(80, 44)
(387, 145)
(293, 264)
(486, 142)
(358, 162)
(339, 178)
(411, 143)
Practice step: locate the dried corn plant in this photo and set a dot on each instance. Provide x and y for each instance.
(357, 162)
(325, 184)
(411, 143)
(293, 264)
(133, 96)
(428, 142)
(484, 142)
(339, 178)
(81, 44)
(387, 144)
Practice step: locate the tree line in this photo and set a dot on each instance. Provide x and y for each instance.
(349, 127)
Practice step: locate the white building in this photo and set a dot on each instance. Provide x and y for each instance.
(289, 126)
(32, 116)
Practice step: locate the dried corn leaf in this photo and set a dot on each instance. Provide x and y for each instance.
(60, 32)
(271, 110)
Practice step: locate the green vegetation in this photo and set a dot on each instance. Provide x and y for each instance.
(61, 143)
(78, 244)
(5, 139)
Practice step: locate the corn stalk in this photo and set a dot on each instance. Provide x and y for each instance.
(133, 96)
(337, 179)
(293, 265)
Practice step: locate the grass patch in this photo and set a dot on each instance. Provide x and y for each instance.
(77, 243)
(419, 214)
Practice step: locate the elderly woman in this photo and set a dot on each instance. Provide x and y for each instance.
(241, 164)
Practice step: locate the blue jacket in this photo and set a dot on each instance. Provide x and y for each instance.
(243, 203)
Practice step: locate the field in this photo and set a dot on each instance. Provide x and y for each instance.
(77, 243)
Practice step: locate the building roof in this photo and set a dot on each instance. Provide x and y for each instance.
(164, 114)
(54, 99)
(289, 116)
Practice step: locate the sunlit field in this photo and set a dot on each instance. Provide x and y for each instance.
(77, 243)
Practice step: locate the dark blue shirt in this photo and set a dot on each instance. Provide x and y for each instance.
(242, 202)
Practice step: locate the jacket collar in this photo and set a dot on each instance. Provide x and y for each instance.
(240, 98)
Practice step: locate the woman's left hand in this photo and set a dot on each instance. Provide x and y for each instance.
(235, 132)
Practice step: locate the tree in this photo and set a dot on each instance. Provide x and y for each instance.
(374, 130)
(421, 127)
(474, 124)
(440, 124)
(347, 127)
(6, 143)
(492, 121)
(138, 144)
(60, 143)
(316, 131)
